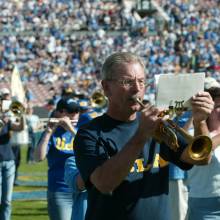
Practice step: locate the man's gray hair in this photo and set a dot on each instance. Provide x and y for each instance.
(113, 61)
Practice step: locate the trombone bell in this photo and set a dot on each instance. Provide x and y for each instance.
(98, 100)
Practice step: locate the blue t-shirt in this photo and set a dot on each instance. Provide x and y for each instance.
(60, 147)
(143, 193)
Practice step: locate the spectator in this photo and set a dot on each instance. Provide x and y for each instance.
(33, 124)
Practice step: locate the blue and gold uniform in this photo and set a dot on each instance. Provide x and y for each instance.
(143, 193)
(60, 147)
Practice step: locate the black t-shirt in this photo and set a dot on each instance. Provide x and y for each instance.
(6, 152)
(143, 193)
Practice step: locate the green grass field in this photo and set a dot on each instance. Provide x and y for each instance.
(30, 209)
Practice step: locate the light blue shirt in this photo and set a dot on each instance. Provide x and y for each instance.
(79, 197)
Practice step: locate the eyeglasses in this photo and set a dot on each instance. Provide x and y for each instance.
(128, 83)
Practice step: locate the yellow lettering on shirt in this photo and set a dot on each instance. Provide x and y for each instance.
(93, 114)
(156, 161)
(163, 162)
(139, 164)
(70, 145)
(62, 145)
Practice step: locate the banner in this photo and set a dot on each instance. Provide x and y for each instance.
(17, 89)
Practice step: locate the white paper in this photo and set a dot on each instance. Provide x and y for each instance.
(178, 88)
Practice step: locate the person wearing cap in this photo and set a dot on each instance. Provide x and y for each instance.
(87, 113)
(5, 92)
(6, 98)
(55, 144)
(7, 158)
(71, 174)
(18, 138)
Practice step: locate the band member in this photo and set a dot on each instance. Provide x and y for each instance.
(56, 144)
(126, 171)
(204, 182)
(7, 159)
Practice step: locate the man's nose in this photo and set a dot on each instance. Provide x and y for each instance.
(136, 85)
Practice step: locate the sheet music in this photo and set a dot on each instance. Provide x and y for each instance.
(178, 88)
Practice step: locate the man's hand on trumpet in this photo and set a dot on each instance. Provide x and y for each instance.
(149, 120)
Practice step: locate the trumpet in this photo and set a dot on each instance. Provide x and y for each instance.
(199, 147)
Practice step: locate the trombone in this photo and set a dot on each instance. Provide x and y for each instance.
(98, 100)
(17, 108)
(199, 147)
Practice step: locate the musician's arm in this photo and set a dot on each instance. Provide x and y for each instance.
(216, 141)
(42, 146)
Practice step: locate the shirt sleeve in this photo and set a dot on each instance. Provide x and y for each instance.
(70, 174)
(174, 156)
(89, 153)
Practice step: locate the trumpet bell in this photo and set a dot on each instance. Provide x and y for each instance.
(200, 148)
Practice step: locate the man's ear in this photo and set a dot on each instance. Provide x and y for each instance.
(106, 88)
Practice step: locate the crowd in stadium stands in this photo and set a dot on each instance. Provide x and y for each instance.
(67, 41)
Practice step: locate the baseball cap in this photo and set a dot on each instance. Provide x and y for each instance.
(4, 91)
(68, 104)
(83, 104)
(211, 82)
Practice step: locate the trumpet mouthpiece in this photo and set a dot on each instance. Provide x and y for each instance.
(140, 102)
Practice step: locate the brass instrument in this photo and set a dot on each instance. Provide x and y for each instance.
(98, 100)
(199, 147)
(17, 108)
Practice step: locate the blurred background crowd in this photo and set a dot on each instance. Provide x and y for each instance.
(59, 44)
